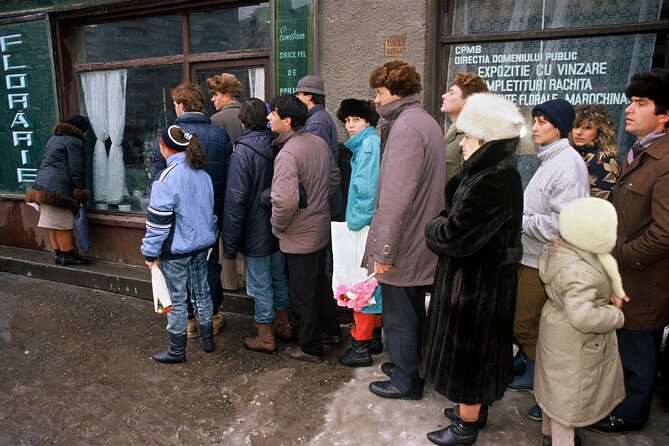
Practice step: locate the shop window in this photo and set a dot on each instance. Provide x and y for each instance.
(486, 16)
(128, 39)
(127, 108)
(241, 28)
(580, 70)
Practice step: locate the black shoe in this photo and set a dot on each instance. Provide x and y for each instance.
(385, 389)
(548, 440)
(524, 382)
(387, 368)
(614, 425)
(535, 413)
(57, 256)
(358, 355)
(205, 337)
(483, 415)
(376, 347)
(519, 362)
(176, 350)
(70, 258)
(460, 432)
(327, 339)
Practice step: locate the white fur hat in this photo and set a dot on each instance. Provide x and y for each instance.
(590, 224)
(489, 117)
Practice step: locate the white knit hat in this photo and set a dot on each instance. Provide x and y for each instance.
(590, 224)
(489, 117)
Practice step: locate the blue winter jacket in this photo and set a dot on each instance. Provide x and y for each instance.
(320, 123)
(365, 165)
(246, 224)
(180, 219)
(216, 146)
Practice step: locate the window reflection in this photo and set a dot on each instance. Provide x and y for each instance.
(230, 29)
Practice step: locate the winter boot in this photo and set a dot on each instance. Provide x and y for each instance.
(460, 432)
(205, 337)
(281, 326)
(483, 415)
(358, 355)
(525, 381)
(262, 342)
(57, 256)
(176, 350)
(519, 363)
(70, 258)
(376, 347)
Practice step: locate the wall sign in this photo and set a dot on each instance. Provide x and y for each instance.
(27, 108)
(394, 46)
(292, 34)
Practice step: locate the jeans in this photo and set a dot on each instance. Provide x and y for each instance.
(267, 284)
(187, 276)
(312, 299)
(404, 322)
(214, 269)
(639, 351)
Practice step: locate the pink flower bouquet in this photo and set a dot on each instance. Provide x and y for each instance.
(357, 295)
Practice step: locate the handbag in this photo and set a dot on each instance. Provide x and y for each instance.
(81, 231)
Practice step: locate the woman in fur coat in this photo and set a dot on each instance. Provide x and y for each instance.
(60, 187)
(578, 377)
(467, 352)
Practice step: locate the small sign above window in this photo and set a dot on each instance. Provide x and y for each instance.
(394, 46)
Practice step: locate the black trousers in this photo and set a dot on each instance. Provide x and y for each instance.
(312, 299)
(639, 354)
(404, 321)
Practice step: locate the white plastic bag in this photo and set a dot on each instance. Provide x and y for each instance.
(348, 248)
(161, 295)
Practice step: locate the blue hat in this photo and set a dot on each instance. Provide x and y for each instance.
(559, 112)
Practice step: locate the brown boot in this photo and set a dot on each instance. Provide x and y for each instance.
(263, 341)
(281, 326)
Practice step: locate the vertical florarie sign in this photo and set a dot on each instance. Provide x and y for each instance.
(27, 103)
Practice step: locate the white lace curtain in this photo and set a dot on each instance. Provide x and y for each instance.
(257, 83)
(104, 95)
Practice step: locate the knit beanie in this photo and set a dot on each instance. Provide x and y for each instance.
(559, 112)
(590, 224)
(79, 122)
(490, 117)
(361, 109)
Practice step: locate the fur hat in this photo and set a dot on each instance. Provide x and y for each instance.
(653, 84)
(590, 224)
(310, 84)
(357, 107)
(489, 117)
(79, 122)
(559, 112)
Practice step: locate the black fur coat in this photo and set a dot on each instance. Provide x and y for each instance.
(467, 350)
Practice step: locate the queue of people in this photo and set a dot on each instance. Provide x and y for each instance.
(569, 271)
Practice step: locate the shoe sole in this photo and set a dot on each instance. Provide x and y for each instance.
(530, 391)
(535, 418)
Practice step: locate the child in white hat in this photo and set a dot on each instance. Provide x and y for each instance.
(578, 377)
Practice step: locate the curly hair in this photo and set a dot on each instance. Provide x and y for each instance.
(470, 83)
(598, 117)
(189, 95)
(225, 83)
(399, 77)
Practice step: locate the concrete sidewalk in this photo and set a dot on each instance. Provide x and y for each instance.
(76, 368)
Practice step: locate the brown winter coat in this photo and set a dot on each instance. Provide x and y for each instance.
(578, 378)
(641, 199)
(303, 159)
(410, 193)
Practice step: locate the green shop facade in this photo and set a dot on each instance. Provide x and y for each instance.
(116, 61)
